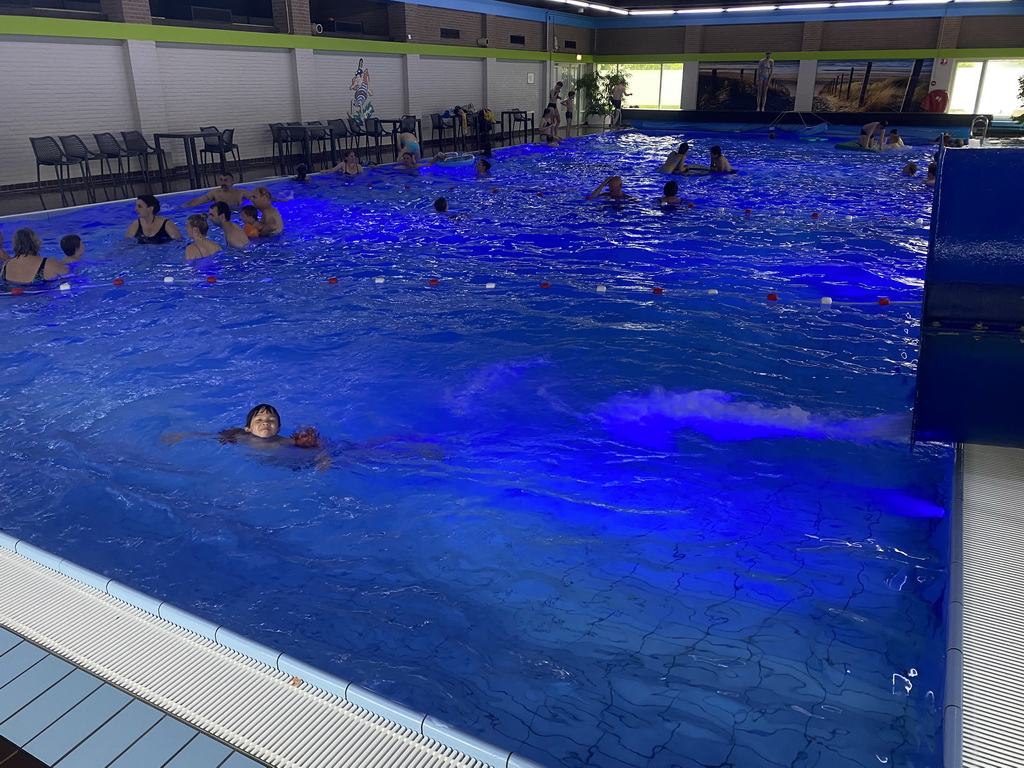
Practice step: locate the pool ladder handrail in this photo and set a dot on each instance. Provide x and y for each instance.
(778, 119)
(985, 121)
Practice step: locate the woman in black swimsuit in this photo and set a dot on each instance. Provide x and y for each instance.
(26, 266)
(150, 229)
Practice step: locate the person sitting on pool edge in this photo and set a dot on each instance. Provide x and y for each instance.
(149, 228)
(614, 184)
(262, 425)
(73, 248)
(227, 192)
(201, 246)
(234, 235)
(26, 266)
(270, 222)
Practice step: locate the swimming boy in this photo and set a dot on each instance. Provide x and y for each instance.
(262, 425)
(614, 184)
(73, 248)
(250, 220)
(719, 162)
(670, 195)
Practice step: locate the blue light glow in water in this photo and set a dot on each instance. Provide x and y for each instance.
(602, 529)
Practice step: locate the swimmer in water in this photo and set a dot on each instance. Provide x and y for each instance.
(614, 184)
(262, 425)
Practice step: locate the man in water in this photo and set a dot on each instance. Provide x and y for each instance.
(762, 77)
(270, 222)
(617, 92)
(227, 192)
(234, 235)
(614, 184)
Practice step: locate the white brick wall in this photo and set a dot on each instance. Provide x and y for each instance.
(510, 88)
(331, 97)
(440, 82)
(51, 87)
(240, 88)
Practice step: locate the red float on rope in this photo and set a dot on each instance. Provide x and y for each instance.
(211, 279)
(773, 297)
(332, 280)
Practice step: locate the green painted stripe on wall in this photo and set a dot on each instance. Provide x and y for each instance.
(35, 26)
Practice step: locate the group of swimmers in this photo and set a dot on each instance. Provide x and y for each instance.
(676, 162)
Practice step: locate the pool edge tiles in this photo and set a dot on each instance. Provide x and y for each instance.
(70, 623)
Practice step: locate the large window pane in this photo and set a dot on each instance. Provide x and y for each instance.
(965, 87)
(999, 91)
(671, 86)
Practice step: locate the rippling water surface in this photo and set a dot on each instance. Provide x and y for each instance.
(608, 528)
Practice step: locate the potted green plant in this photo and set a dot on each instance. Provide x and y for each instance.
(593, 87)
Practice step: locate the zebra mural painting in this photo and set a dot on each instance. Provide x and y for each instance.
(361, 107)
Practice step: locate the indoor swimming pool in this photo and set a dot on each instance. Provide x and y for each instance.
(592, 523)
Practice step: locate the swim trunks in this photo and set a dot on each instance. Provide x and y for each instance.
(552, 104)
(617, 103)
(568, 115)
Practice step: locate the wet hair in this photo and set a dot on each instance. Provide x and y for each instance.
(716, 150)
(261, 192)
(222, 209)
(671, 189)
(487, 166)
(441, 205)
(301, 172)
(684, 148)
(894, 131)
(151, 202)
(199, 223)
(910, 169)
(70, 243)
(932, 167)
(251, 211)
(26, 243)
(262, 408)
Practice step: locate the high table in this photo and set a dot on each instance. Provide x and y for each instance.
(188, 139)
(305, 134)
(528, 121)
(396, 125)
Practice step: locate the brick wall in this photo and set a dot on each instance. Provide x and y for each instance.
(53, 87)
(753, 38)
(425, 24)
(651, 40)
(584, 39)
(131, 11)
(373, 16)
(500, 28)
(875, 34)
(991, 32)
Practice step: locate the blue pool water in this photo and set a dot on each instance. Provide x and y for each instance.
(610, 528)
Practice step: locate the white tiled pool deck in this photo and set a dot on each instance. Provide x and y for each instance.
(94, 674)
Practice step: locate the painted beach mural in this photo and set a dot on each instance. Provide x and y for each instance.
(872, 86)
(732, 85)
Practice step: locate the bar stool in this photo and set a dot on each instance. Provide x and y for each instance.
(48, 152)
(75, 149)
(109, 149)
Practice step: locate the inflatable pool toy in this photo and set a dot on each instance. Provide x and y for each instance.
(455, 161)
(855, 145)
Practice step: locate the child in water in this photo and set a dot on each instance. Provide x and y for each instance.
(250, 216)
(262, 425)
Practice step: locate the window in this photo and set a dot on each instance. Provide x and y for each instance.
(449, 34)
(517, 39)
(569, 43)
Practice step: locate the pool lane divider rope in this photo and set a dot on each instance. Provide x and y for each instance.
(772, 298)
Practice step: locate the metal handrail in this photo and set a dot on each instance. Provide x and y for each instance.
(985, 122)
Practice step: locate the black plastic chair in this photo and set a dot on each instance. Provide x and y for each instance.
(408, 124)
(110, 150)
(277, 133)
(48, 152)
(340, 133)
(374, 130)
(438, 127)
(356, 131)
(518, 121)
(135, 145)
(321, 138)
(221, 144)
(75, 149)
